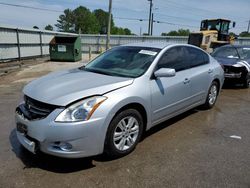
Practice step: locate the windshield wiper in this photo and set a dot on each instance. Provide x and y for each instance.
(106, 73)
(97, 71)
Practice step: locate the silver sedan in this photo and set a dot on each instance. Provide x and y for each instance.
(106, 105)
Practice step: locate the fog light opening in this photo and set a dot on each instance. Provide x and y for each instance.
(64, 146)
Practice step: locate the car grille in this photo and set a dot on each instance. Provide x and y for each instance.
(33, 109)
(231, 69)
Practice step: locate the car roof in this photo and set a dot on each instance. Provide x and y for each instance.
(159, 45)
(237, 45)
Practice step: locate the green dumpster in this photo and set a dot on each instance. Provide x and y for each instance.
(63, 48)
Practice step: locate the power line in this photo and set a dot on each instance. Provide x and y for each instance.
(176, 17)
(166, 15)
(192, 9)
(30, 7)
(156, 21)
(53, 10)
(132, 19)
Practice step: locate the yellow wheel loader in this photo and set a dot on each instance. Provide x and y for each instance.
(213, 33)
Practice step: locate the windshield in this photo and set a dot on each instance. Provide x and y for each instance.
(219, 25)
(123, 61)
(244, 53)
(226, 52)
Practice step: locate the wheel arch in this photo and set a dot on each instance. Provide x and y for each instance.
(140, 108)
(218, 82)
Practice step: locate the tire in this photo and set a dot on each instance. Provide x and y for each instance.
(246, 84)
(211, 96)
(124, 133)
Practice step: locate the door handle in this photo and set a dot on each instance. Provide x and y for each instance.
(210, 71)
(186, 81)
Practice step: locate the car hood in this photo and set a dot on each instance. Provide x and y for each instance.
(64, 87)
(227, 61)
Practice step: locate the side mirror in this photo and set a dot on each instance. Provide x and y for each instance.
(164, 72)
(234, 24)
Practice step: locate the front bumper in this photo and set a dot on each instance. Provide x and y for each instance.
(69, 140)
(235, 74)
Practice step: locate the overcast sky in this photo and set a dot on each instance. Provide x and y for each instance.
(179, 14)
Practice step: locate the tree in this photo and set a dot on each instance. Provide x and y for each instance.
(120, 31)
(127, 31)
(82, 20)
(85, 21)
(49, 27)
(180, 32)
(66, 21)
(102, 18)
(244, 34)
(35, 27)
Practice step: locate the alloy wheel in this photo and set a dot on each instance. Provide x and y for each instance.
(126, 133)
(212, 94)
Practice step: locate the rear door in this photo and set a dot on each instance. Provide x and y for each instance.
(201, 73)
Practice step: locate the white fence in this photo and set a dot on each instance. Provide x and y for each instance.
(18, 43)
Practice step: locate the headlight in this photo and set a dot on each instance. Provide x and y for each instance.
(80, 111)
(238, 64)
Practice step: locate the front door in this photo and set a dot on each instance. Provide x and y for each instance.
(170, 95)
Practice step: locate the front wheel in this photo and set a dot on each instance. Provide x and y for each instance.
(124, 133)
(246, 84)
(211, 96)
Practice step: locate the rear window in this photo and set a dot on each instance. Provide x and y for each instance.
(196, 57)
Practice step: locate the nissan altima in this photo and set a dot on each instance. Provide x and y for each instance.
(106, 106)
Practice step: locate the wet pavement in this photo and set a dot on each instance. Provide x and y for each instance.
(196, 149)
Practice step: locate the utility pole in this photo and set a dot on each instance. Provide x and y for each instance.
(248, 26)
(152, 24)
(109, 25)
(150, 12)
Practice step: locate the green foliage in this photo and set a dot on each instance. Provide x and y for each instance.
(244, 34)
(66, 21)
(35, 27)
(180, 32)
(85, 21)
(102, 18)
(120, 31)
(49, 27)
(127, 31)
(82, 20)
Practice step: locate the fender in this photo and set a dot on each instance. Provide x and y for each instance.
(243, 64)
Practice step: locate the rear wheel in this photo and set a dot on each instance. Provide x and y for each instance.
(212, 95)
(124, 133)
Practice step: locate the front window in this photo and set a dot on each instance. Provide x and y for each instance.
(224, 27)
(123, 61)
(226, 52)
